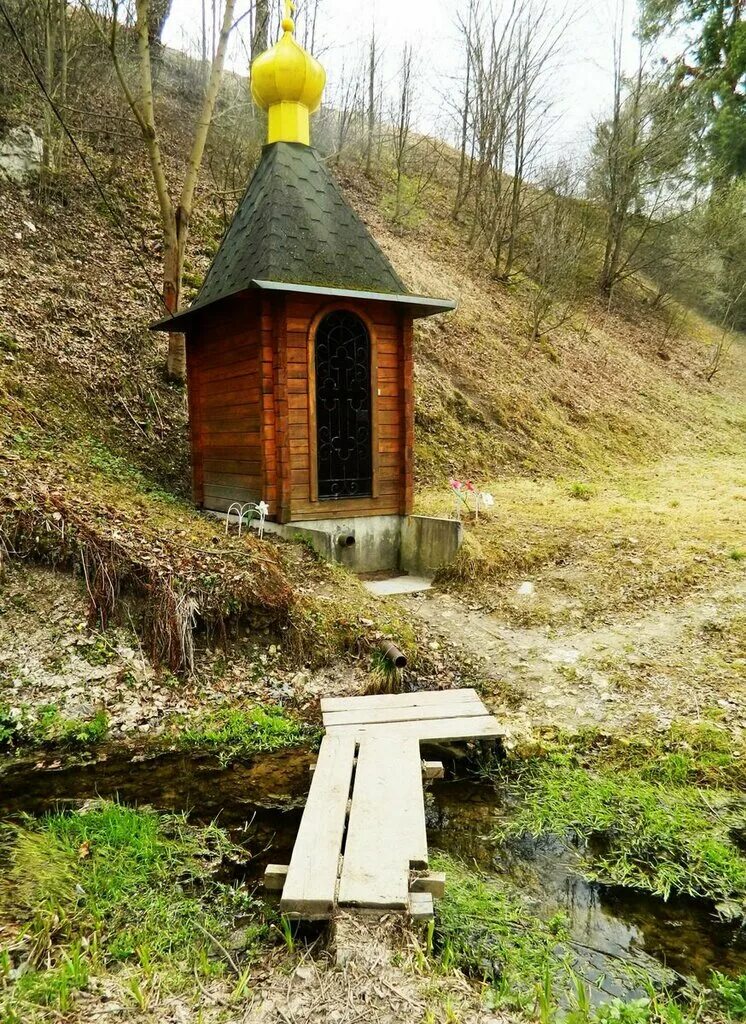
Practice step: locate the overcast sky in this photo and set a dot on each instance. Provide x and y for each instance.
(581, 82)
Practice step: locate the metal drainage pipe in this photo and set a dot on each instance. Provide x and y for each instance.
(392, 653)
(346, 540)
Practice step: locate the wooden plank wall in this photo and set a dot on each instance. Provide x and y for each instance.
(251, 415)
(393, 411)
(223, 352)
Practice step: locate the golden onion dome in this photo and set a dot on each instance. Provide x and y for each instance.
(287, 82)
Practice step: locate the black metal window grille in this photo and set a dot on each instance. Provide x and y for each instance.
(343, 408)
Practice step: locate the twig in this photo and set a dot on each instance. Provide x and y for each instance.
(209, 995)
(219, 945)
(127, 410)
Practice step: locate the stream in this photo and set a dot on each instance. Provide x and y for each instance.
(260, 802)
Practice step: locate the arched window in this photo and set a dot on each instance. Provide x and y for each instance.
(343, 407)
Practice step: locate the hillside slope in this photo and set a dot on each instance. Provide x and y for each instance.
(94, 441)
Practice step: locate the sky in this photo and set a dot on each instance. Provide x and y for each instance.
(581, 82)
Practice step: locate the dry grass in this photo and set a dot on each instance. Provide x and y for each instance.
(613, 386)
(608, 542)
(186, 575)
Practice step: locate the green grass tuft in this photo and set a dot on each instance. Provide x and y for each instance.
(113, 886)
(485, 928)
(581, 491)
(730, 993)
(240, 733)
(47, 727)
(649, 827)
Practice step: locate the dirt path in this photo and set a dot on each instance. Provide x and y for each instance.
(681, 660)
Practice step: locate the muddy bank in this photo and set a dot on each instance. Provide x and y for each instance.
(171, 780)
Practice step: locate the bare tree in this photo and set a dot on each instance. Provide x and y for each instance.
(556, 252)
(640, 172)
(462, 186)
(55, 76)
(175, 214)
(402, 128)
(349, 109)
(373, 58)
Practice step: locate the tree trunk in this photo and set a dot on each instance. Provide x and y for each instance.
(371, 106)
(460, 190)
(50, 47)
(260, 35)
(173, 268)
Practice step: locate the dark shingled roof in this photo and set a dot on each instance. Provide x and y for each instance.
(294, 225)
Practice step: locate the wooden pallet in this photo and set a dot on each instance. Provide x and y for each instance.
(363, 829)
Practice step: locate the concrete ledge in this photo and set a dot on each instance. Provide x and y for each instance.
(417, 545)
(428, 543)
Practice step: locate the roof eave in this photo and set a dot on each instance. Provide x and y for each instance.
(419, 305)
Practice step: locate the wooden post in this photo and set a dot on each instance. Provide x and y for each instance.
(407, 406)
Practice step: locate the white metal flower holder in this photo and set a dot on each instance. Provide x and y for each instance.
(248, 508)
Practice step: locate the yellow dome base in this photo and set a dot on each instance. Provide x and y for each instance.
(288, 121)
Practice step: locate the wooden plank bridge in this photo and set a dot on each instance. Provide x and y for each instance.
(362, 835)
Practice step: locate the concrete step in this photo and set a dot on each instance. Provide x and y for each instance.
(398, 585)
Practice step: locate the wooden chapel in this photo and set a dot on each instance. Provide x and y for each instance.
(299, 343)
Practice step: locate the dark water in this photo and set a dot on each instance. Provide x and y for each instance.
(260, 802)
(607, 925)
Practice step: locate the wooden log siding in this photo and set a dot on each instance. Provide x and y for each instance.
(224, 409)
(252, 407)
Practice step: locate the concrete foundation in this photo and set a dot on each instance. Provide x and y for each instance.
(417, 545)
(427, 543)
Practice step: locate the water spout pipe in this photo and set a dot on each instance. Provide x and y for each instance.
(392, 653)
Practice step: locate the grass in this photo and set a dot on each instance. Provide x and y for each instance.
(696, 753)
(119, 890)
(45, 726)
(731, 993)
(650, 531)
(485, 927)
(657, 817)
(235, 732)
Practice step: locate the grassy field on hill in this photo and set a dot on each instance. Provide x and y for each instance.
(607, 430)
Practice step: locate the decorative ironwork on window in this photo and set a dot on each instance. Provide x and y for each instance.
(343, 407)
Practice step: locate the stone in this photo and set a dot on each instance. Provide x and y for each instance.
(21, 153)
(526, 589)
(302, 976)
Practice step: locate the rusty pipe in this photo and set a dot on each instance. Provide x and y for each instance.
(392, 653)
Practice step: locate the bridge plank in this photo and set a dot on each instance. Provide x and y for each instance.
(365, 716)
(310, 889)
(424, 698)
(386, 832)
(477, 727)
